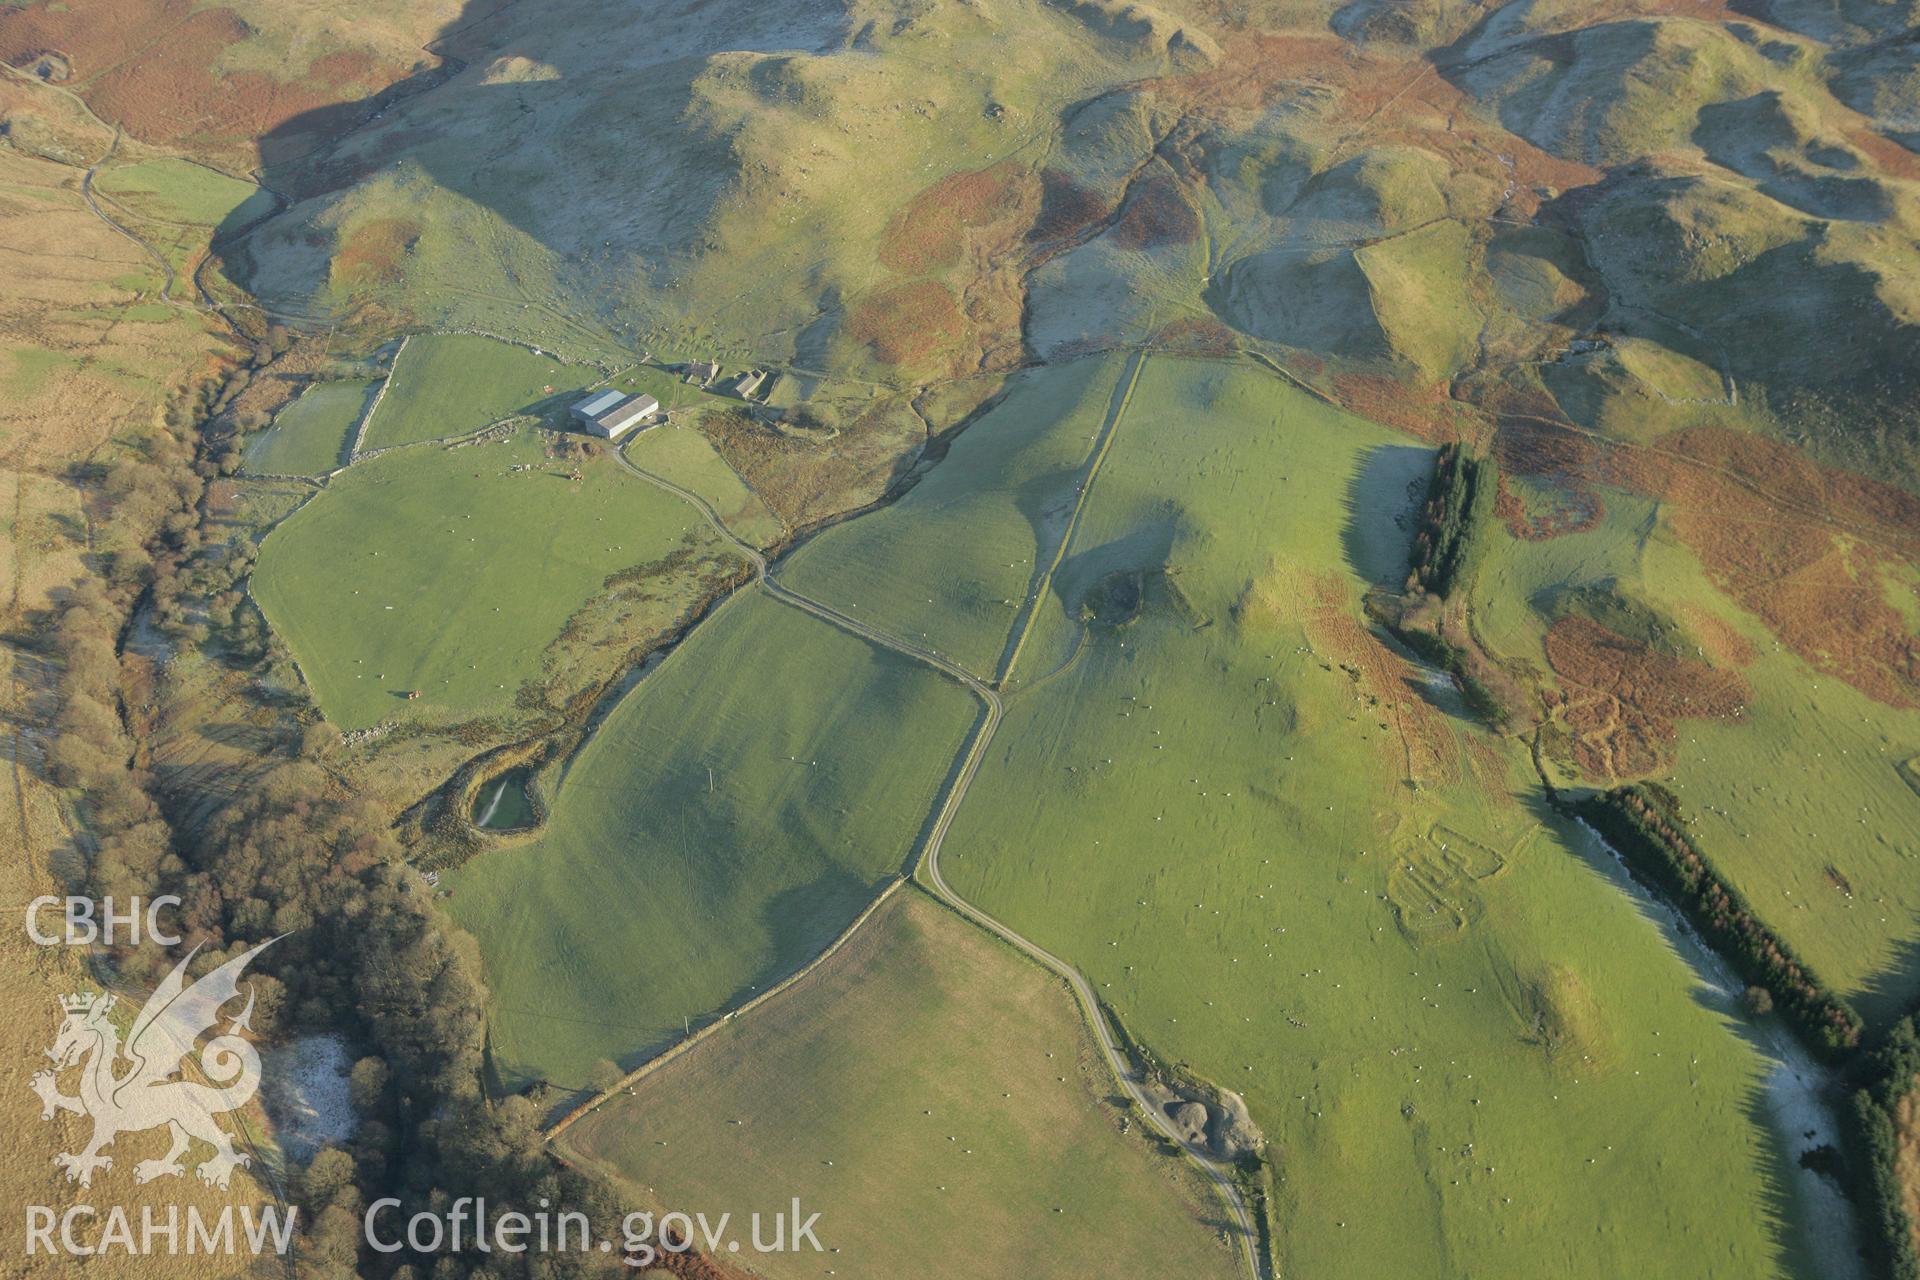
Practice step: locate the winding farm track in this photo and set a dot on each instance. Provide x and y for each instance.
(993, 711)
(93, 204)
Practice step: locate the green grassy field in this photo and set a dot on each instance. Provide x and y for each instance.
(683, 456)
(1802, 806)
(948, 564)
(826, 1091)
(29, 368)
(1473, 1052)
(1799, 801)
(447, 572)
(723, 824)
(174, 190)
(670, 389)
(450, 384)
(172, 206)
(1420, 286)
(310, 437)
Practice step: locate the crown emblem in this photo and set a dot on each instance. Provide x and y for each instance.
(83, 1001)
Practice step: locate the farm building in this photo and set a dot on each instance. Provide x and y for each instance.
(749, 383)
(702, 371)
(623, 416)
(585, 411)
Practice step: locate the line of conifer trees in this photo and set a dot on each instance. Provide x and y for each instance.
(1459, 497)
(1646, 828)
(1891, 1075)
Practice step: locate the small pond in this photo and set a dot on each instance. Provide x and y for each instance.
(502, 803)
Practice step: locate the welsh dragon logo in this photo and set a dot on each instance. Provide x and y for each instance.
(147, 1093)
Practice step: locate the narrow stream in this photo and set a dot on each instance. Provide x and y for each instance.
(1799, 1092)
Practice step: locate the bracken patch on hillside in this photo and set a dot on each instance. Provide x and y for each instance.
(1621, 698)
(1067, 209)
(1815, 551)
(907, 322)
(1156, 214)
(374, 253)
(150, 66)
(927, 235)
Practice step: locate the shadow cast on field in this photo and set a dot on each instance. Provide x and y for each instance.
(803, 921)
(1894, 990)
(1382, 504)
(1146, 550)
(1441, 692)
(1714, 991)
(595, 72)
(1447, 701)
(1045, 499)
(242, 736)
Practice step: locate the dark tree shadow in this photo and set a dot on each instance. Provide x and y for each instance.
(1717, 991)
(1383, 507)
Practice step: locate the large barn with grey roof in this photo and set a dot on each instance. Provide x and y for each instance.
(611, 414)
